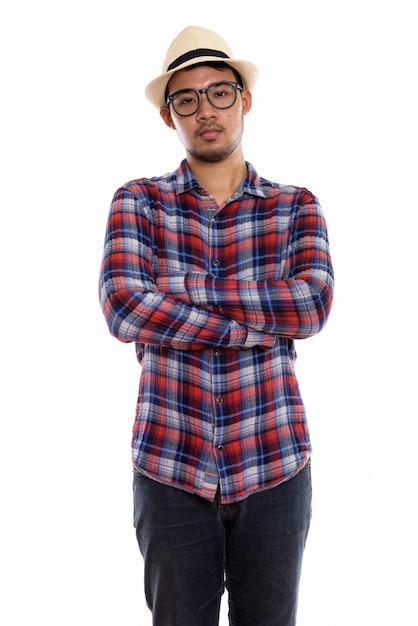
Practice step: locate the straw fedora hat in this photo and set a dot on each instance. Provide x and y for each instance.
(196, 45)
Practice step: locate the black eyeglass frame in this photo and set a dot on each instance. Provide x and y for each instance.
(199, 96)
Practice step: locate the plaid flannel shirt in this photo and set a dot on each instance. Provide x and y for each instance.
(214, 298)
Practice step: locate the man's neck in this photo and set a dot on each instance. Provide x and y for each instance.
(220, 178)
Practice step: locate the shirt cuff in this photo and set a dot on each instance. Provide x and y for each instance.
(172, 284)
(242, 337)
(258, 338)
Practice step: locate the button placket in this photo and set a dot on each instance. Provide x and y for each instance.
(219, 401)
(216, 264)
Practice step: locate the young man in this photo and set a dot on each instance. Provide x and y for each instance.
(213, 272)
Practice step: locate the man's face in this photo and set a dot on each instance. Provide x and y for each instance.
(210, 134)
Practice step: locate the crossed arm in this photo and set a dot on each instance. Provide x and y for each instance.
(196, 310)
(296, 307)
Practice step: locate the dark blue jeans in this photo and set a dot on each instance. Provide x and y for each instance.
(192, 548)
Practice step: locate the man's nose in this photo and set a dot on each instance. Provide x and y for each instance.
(206, 109)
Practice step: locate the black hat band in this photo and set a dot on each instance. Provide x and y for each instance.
(193, 54)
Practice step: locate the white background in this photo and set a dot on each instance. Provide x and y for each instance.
(335, 110)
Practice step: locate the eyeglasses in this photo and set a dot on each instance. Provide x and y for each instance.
(220, 95)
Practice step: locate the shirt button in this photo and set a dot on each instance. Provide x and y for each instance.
(220, 448)
(216, 263)
(219, 400)
(216, 352)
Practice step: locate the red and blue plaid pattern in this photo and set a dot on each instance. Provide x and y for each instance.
(213, 299)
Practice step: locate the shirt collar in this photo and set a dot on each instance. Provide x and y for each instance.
(252, 184)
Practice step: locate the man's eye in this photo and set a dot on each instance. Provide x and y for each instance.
(187, 100)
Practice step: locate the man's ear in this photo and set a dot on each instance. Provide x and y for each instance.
(166, 115)
(247, 101)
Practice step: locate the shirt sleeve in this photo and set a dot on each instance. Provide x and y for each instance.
(295, 306)
(134, 308)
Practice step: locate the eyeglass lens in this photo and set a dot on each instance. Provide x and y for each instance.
(220, 95)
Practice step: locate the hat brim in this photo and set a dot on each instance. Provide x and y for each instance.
(155, 90)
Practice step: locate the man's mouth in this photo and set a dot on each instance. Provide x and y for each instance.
(209, 132)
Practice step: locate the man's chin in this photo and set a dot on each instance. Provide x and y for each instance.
(213, 154)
